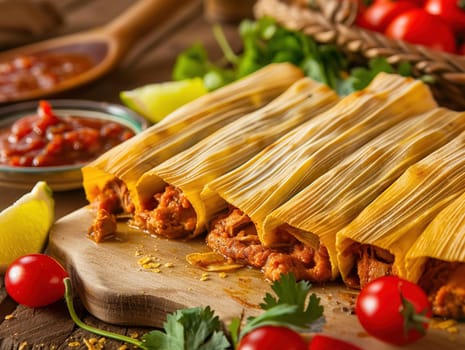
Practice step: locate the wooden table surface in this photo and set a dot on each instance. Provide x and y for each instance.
(151, 61)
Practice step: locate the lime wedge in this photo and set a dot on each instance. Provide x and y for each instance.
(156, 101)
(24, 225)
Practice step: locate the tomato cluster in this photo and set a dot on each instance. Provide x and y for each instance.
(389, 308)
(438, 24)
(280, 337)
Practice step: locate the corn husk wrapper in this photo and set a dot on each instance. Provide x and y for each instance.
(301, 156)
(336, 198)
(186, 126)
(443, 239)
(396, 218)
(234, 144)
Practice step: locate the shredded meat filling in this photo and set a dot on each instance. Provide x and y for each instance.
(114, 198)
(103, 226)
(234, 236)
(444, 282)
(172, 216)
(371, 262)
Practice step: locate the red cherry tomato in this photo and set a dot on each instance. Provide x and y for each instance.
(462, 49)
(420, 27)
(384, 304)
(272, 337)
(35, 280)
(451, 11)
(324, 342)
(378, 16)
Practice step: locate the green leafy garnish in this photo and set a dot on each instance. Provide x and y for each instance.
(293, 307)
(188, 329)
(198, 328)
(263, 42)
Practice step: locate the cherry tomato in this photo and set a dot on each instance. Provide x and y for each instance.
(35, 280)
(378, 16)
(385, 303)
(420, 27)
(462, 49)
(451, 11)
(272, 337)
(324, 342)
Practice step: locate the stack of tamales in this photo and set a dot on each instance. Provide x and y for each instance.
(110, 180)
(283, 175)
(222, 151)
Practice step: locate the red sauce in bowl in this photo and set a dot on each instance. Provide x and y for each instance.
(39, 72)
(46, 139)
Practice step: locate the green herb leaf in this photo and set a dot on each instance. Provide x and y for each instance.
(188, 329)
(293, 307)
(191, 63)
(234, 329)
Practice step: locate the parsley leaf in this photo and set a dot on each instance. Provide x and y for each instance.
(188, 329)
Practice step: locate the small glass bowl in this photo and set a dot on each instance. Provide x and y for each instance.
(65, 177)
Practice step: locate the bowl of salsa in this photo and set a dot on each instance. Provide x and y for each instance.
(51, 140)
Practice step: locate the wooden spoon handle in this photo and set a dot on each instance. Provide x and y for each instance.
(141, 18)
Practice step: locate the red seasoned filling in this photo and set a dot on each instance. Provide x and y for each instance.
(46, 139)
(103, 226)
(171, 217)
(371, 262)
(234, 236)
(114, 198)
(444, 282)
(23, 74)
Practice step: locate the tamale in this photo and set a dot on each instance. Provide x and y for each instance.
(113, 176)
(333, 200)
(436, 261)
(376, 241)
(298, 158)
(217, 154)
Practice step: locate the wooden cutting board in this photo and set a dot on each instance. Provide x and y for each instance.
(115, 288)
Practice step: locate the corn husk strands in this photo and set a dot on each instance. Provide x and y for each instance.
(396, 218)
(234, 144)
(298, 158)
(332, 201)
(186, 126)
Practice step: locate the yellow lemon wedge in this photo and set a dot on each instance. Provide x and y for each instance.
(24, 225)
(156, 101)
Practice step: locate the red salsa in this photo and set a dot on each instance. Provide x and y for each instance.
(42, 71)
(46, 139)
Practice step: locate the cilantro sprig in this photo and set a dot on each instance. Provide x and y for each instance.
(264, 41)
(188, 329)
(198, 328)
(294, 307)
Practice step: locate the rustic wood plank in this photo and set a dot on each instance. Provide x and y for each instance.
(128, 293)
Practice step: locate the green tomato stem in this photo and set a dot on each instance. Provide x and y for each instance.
(79, 323)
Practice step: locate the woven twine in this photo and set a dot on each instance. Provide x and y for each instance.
(330, 22)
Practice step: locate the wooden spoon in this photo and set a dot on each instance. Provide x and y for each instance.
(105, 46)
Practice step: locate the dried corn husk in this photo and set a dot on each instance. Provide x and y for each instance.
(333, 200)
(443, 239)
(186, 126)
(234, 144)
(301, 156)
(396, 218)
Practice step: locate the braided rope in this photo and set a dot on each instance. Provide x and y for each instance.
(330, 21)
